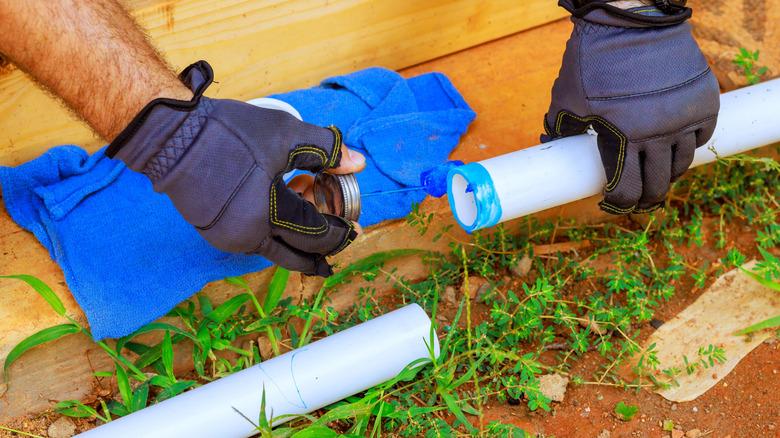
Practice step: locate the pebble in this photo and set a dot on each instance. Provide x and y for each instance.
(553, 386)
(604, 434)
(677, 434)
(264, 345)
(594, 326)
(586, 411)
(523, 266)
(61, 428)
(674, 407)
(694, 409)
(449, 295)
(477, 287)
(693, 433)
(656, 323)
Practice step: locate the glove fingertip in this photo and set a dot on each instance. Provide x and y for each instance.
(349, 236)
(322, 268)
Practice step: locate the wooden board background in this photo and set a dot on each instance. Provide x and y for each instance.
(259, 47)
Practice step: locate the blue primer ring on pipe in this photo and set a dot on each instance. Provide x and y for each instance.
(485, 196)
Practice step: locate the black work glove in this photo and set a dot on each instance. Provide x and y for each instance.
(640, 80)
(221, 163)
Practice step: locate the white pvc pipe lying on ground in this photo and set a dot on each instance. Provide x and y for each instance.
(297, 382)
(510, 186)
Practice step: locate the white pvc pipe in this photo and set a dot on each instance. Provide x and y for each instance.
(517, 184)
(297, 382)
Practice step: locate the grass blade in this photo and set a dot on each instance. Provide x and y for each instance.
(366, 264)
(228, 308)
(123, 383)
(761, 280)
(452, 405)
(763, 325)
(43, 290)
(140, 398)
(36, 339)
(275, 289)
(75, 409)
(175, 389)
(120, 344)
(167, 356)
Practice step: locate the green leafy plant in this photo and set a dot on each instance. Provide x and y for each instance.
(625, 412)
(767, 274)
(746, 61)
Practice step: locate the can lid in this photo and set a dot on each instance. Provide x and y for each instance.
(338, 195)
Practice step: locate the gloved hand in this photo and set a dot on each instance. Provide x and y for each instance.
(221, 163)
(640, 80)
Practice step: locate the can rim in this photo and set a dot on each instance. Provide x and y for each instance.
(350, 191)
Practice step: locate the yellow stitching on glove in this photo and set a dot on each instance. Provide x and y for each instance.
(621, 150)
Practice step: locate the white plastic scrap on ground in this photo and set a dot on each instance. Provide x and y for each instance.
(734, 302)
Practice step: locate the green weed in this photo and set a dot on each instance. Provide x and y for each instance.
(625, 412)
(746, 62)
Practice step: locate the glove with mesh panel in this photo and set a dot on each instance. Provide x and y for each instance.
(640, 80)
(221, 163)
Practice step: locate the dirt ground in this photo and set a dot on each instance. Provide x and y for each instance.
(746, 403)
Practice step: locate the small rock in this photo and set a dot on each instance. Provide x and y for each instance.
(694, 409)
(477, 286)
(553, 386)
(656, 323)
(693, 433)
(264, 345)
(585, 412)
(595, 327)
(674, 407)
(522, 267)
(604, 434)
(677, 434)
(62, 428)
(449, 296)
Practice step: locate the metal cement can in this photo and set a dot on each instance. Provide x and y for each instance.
(338, 195)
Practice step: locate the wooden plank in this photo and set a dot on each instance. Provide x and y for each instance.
(260, 47)
(507, 90)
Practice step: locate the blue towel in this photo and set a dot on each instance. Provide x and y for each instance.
(129, 257)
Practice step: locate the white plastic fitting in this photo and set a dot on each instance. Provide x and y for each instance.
(297, 382)
(517, 184)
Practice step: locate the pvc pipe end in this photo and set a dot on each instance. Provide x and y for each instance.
(275, 104)
(472, 197)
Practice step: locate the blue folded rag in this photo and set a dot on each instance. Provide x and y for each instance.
(129, 257)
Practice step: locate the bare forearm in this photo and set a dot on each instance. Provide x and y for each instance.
(91, 54)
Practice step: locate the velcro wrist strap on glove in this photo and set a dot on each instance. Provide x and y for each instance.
(600, 11)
